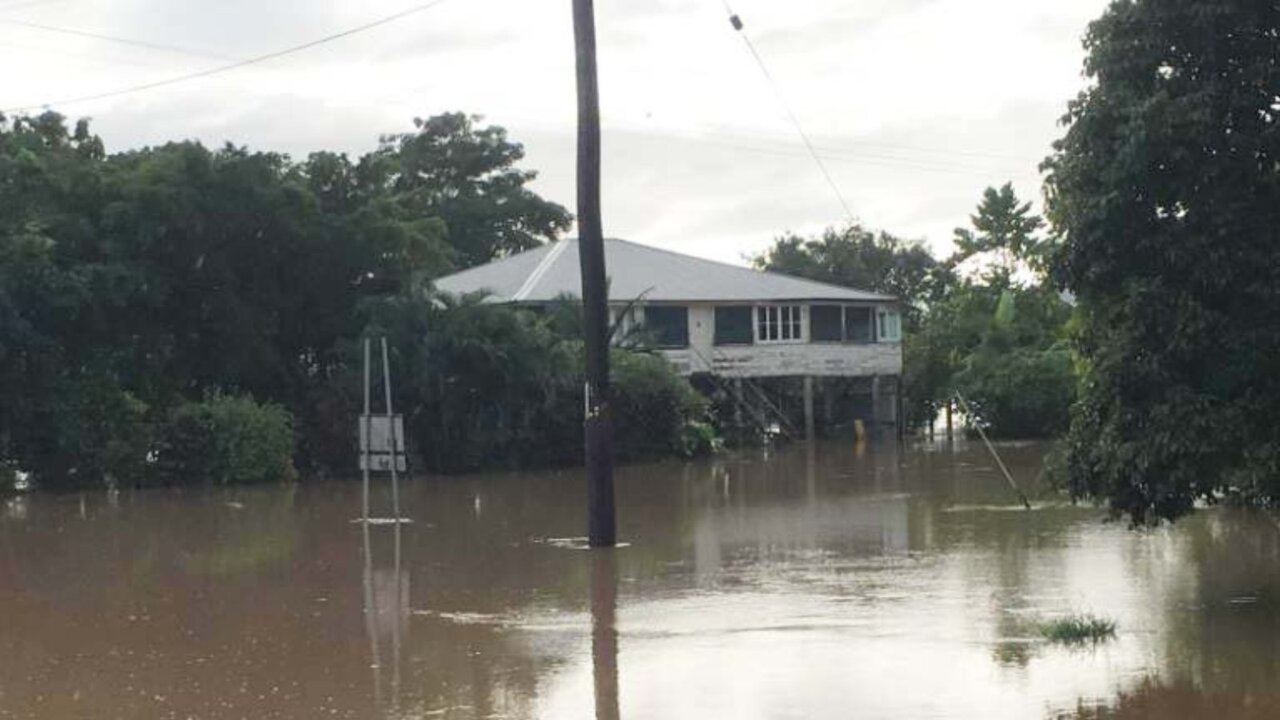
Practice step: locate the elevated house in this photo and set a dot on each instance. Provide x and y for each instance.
(722, 321)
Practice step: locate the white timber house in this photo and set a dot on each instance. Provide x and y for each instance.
(716, 318)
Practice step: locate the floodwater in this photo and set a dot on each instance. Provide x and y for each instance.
(819, 581)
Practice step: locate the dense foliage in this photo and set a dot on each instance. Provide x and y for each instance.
(1166, 192)
(134, 286)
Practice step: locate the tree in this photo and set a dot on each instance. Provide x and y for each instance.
(1165, 191)
(466, 176)
(860, 258)
(1003, 234)
(997, 336)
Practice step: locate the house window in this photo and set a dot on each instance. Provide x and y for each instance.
(889, 325)
(669, 325)
(733, 326)
(857, 325)
(826, 323)
(778, 323)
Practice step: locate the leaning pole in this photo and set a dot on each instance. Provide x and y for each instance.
(598, 427)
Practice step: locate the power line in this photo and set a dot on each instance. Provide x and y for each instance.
(876, 144)
(119, 40)
(782, 99)
(231, 66)
(743, 143)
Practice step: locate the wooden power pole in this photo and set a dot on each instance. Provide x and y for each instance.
(598, 429)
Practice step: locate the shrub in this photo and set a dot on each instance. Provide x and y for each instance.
(489, 386)
(656, 412)
(227, 439)
(1025, 393)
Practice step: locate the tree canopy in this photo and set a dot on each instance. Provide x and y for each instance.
(1165, 191)
(134, 283)
(856, 257)
(1003, 235)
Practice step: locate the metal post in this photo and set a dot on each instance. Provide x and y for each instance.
(964, 405)
(391, 421)
(368, 435)
(597, 431)
(371, 614)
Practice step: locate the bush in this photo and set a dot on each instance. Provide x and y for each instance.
(88, 431)
(226, 440)
(490, 386)
(1026, 393)
(656, 412)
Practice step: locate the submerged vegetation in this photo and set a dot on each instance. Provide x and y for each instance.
(1078, 629)
(180, 314)
(984, 321)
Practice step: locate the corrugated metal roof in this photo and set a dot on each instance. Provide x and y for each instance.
(546, 272)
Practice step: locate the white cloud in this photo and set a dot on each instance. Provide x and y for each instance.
(917, 105)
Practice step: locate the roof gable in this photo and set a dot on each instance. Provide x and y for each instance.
(635, 270)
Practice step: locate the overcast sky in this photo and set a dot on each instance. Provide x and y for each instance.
(915, 105)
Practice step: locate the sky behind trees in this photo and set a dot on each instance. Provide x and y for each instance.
(915, 105)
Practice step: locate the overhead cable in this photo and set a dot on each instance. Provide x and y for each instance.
(738, 27)
(230, 66)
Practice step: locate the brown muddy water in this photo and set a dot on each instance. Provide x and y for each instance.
(814, 582)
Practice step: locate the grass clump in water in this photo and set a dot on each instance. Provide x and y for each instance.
(1078, 629)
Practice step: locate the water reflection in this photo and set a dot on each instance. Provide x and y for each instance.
(604, 632)
(815, 581)
(386, 613)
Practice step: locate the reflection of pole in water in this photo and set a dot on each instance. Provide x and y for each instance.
(401, 612)
(371, 620)
(386, 609)
(604, 632)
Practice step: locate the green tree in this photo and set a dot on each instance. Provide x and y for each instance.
(1003, 234)
(998, 334)
(466, 176)
(860, 258)
(1165, 190)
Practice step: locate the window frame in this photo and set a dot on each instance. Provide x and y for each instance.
(888, 325)
(780, 324)
(648, 309)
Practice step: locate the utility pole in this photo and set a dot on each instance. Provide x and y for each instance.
(598, 427)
